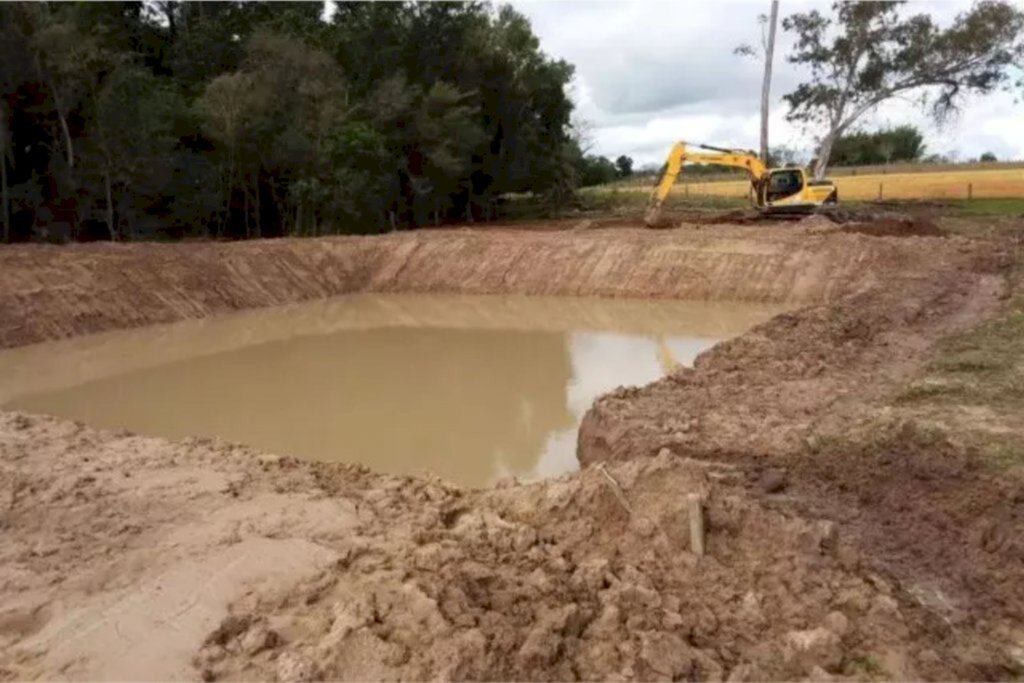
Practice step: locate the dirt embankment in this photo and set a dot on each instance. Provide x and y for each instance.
(798, 404)
(833, 549)
(51, 292)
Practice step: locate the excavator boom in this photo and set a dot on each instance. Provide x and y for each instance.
(680, 154)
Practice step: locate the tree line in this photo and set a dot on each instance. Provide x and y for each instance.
(124, 120)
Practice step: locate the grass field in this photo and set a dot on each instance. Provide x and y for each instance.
(958, 184)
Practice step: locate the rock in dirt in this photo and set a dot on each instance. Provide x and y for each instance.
(813, 647)
(294, 668)
(773, 480)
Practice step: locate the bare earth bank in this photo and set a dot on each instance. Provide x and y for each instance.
(132, 557)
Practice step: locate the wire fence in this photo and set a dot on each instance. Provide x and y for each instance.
(698, 174)
(996, 180)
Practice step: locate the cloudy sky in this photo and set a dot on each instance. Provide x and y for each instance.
(651, 72)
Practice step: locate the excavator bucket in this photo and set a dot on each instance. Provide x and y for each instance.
(674, 164)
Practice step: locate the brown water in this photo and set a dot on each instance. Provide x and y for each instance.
(470, 388)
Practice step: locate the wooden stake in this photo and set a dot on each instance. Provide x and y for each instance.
(879, 191)
(616, 489)
(970, 190)
(695, 510)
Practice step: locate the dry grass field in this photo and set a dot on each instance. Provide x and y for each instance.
(948, 184)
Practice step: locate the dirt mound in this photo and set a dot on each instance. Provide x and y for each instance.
(590, 579)
(217, 562)
(788, 404)
(896, 227)
(761, 392)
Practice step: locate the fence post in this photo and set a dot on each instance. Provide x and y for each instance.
(686, 189)
(970, 190)
(879, 191)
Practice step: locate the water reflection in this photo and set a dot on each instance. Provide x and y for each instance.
(470, 404)
(601, 362)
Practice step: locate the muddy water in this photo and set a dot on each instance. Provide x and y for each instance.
(470, 388)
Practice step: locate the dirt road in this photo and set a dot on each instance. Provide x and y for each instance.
(834, 548)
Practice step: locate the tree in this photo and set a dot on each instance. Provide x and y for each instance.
(130, 99)
(868, 53)
(768, 23)
(884, 146)
(595, 170)
(624, 165)
(987, 157)
(262, 119)
(228, 107)
(782, 155)
(68, 60)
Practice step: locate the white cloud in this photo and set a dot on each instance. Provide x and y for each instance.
(649, 73)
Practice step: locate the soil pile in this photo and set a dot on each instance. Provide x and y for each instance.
(761, 392)
(199, 558)
(792, 404)
(896, 227)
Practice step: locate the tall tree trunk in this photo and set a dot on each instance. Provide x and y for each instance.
(6, 198)
(60, 110)
(168, 9)
(110, 206)
(766, 86)
(67, 132)
(227, 201)
(245, 211)
(824, 154)
(259, 211)
(5, 146)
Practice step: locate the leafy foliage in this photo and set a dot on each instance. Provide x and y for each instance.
(123, 120)
(624, 166)
(596, 170)
(867, 52)
(903, 143)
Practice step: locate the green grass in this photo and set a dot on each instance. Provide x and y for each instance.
(984, 366)
(866, 665)
(952, 207)
(989, 207)
(974, 387)
(620, 200)
(612, 202)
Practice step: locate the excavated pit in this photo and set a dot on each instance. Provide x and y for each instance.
(138, 557)
(469, 388)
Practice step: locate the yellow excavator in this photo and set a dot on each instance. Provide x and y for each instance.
(773, 191)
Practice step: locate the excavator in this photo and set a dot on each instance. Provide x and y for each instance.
(773, 191)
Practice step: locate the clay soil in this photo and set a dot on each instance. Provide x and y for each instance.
(843, 541)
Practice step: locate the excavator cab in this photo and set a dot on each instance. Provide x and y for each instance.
(784, 183)
(790, 190)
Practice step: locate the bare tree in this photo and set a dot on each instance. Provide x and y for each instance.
(768, 24)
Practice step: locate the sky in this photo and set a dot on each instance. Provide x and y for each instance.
(650, 72)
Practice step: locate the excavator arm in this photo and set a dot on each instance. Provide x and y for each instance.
(680, 154)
